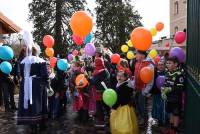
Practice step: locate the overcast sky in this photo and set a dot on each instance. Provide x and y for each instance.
(152, 11)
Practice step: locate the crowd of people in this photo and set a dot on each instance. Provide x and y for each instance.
(44, 92)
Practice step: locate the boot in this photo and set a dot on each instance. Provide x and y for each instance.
(42, 126)
(8, 109)
(171, 131)
(33, 129)
(13, 107)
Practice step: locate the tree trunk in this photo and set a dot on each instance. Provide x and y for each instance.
(58, 31)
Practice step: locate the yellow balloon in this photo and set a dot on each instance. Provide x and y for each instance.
(153, 31)
(153, 53)
(130, 43)
(130, 55)
(124, 48)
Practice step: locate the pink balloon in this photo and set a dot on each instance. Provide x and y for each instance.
(70, 57)
(90, 49)
(78, 40)
(180, 37)
(75, 52)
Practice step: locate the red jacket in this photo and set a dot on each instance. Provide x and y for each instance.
(139, 84)
(99, 66)
(126, 70)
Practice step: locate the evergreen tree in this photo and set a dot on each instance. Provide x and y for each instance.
(115, 21)
(52, 17)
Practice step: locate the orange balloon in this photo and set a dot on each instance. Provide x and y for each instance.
(159, 26)
(49, 52)
(53, 61)
(81, 23)
(141, 38)
(48, 41)
(146, 74)
(81, 81)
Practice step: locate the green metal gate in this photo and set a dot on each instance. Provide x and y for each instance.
(192, 113)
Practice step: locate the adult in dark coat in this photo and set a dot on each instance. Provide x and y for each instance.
(158, 111)
(6, 88)
(32, 108)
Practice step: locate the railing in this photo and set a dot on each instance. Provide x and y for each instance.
(192, 110)
(193, 39)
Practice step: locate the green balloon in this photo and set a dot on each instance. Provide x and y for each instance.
(109, 97)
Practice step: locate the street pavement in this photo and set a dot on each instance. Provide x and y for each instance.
(66, 124)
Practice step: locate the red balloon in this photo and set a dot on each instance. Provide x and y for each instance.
(78, 40)
(167, 45)
(180, 37)
(115, 58)
(53, 61)
(48, 41)
(157, 59)
(75, 52)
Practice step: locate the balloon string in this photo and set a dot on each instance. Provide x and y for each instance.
(104, 85)
(80, 81)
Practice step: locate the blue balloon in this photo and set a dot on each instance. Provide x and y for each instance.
(6, 67)
(6, 53)
(62, 64)
(88, 38)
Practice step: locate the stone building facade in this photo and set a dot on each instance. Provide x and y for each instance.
(178, 22)
(178, 16)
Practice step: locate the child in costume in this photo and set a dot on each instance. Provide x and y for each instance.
(123, 119)
(172, 92)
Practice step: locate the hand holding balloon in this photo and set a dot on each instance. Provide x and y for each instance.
(109, 96)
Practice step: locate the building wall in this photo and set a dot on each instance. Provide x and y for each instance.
(178, 16)
(2, 30)
(178, 22)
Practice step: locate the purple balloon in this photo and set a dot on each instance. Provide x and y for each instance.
(70, 57)
(177, 52)
(90, 49)
(160, 81)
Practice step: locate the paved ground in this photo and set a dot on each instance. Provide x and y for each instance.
(65, 125)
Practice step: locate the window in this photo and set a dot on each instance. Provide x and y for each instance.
(175, 29)
(176, 7)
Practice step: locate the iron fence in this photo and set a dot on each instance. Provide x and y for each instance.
(192, 110)
(193, 38)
